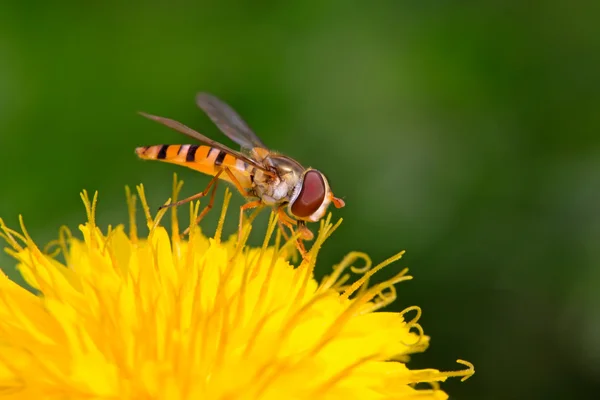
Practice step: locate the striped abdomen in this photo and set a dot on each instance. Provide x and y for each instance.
(205, 159)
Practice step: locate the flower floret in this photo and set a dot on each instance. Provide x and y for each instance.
(118, 315)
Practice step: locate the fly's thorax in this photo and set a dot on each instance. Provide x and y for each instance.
(278, 189)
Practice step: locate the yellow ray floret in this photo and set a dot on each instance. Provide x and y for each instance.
(160, 317)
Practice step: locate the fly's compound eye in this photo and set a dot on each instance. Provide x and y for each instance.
(311, 196)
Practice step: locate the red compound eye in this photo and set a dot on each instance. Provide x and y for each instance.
(311, 195)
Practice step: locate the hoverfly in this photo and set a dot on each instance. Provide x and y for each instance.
(264, 177)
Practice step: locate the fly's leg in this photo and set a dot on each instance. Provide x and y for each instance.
(203, 193)
(289, 222)
(235, 181)
(282, 229)
(213, 185)
(208, 206)
(284, 220)
(247, 206)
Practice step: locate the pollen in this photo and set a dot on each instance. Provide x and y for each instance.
(117, 314)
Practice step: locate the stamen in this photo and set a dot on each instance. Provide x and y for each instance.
(48, 247)
(145, 207)
(159, 216)
(105, 241)
(241, 244)
(64, 237)
(373, 291)
(339, 285)
(431, 375)
(420, 335)
(308, 264)
(194, 211)
(131, 208)
(416, 317)
(289, 247)
(90, 210)
(191, 254)
(10, 234)
(264, 289)
(356, 285)
(467, 372)
(5, 234)
(109, 249)
(328, 282)
(246, 268)
(241, 295)
(177, 185)
(222, 338)
(343, 318)
(40, 273)
(266, 240)
(382, 300)
(221, 222)
(253, 215)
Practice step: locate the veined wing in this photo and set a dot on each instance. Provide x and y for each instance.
(229, 122)
(179, 127)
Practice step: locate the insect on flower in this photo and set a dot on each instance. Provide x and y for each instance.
(262, 176)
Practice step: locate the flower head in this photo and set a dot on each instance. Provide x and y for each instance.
(126, 317)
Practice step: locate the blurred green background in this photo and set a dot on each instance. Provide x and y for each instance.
(463, 132)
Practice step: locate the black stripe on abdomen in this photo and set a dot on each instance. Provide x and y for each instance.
(162, 153)
(191, 153)
(220, 158)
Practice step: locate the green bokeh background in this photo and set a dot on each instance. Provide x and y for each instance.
(463, 132)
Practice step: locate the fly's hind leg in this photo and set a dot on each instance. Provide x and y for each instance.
(213, 184)
(208, 206)
(203, 193)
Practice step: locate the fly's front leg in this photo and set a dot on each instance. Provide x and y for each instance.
(305, 233)
(284, 220)
(289, 222)
(282, 230)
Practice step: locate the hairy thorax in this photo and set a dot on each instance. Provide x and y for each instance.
(278, 189)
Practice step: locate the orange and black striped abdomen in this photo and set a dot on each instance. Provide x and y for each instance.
(205, 159)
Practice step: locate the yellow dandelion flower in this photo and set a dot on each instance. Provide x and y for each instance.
(125, 317)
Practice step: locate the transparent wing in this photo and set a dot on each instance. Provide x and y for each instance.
(179, 127)
(229, 121)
